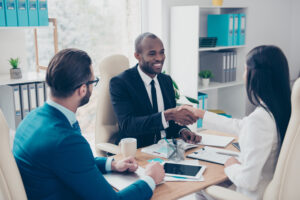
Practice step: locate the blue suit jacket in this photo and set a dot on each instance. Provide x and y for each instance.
(56, 162)
(133, 108)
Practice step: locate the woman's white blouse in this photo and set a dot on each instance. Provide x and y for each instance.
(259, 143)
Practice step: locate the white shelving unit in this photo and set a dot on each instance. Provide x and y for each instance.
(188, 23)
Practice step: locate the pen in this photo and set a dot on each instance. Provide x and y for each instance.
(227, 154)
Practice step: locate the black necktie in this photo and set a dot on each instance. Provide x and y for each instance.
(76, 126)
(155, 108)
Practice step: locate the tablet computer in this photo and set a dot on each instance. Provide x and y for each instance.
(183, 170)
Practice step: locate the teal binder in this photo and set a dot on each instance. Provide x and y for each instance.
(221, 26)
(11, 13)
(241, 29)
(202, 97)
(2, 14)
(22, 12)
(43, 12)
(235, 29)
(33, 13)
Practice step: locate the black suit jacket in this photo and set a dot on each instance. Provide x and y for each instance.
(133, 108)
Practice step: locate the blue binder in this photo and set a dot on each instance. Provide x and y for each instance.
(2, 13)
(43, 12)
(22, 12)
(11, 13)
(33, 13)
(221, 26)
(202, 97)
(241, 29)
(235, 29)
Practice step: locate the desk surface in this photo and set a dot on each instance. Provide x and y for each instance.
(213, 174)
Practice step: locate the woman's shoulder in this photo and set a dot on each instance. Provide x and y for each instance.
(263, 117)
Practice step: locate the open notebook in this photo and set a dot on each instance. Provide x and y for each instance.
(215, 140)
(214, 155)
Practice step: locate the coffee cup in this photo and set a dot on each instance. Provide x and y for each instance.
(128, 147)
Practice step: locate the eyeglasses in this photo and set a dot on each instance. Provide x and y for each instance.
(94, 82)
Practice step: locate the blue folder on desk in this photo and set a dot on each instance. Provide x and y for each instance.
(43, 12)
(2, 14)
(22, 12)
(221, 26)
(33, 13)
(11, 12)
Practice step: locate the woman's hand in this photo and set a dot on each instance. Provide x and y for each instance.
(231, 161)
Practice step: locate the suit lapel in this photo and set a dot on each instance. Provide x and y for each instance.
(141, 89)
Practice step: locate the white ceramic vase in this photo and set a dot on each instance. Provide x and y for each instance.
(205, 82)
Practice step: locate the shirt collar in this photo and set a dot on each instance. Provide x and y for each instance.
(68, 113)
(146, 79)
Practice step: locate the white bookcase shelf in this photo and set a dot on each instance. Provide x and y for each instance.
(221, 48)
(188, 23)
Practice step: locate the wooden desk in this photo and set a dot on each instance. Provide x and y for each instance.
(213, 174)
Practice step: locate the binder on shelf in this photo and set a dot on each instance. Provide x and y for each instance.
(43, 12)
(202, 97)
(17, 100)
(25, 100)
(32, 97)
(22, 12)
(40, 94)
(221, 26)
(216, 62)
(241, 28)
(11, 12)
(2, 13)
(234, 67)
(235, 29)
(231, 66)
(33, 13)
(228, 64)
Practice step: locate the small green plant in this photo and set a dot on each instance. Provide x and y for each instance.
(205, 74)
(14, 62)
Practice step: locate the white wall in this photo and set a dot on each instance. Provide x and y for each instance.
(268, 22)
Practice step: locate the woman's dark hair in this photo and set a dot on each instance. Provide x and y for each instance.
(268, 84)
(67, 70)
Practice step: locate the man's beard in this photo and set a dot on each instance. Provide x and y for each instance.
(86, 98)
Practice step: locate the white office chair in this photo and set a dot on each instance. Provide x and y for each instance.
(106, 121)
(11, 185)
(284, 185)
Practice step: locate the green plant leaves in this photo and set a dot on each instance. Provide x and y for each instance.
(205, 74)
(14, 62)
(192, 100)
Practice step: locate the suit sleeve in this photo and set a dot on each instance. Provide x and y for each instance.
(129, 122)
(76, 167)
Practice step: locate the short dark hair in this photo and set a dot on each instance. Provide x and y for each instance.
(67, 70)
(268, 80)
(140, 38)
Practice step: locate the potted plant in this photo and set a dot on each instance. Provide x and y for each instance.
(205, 76)
(15, 72)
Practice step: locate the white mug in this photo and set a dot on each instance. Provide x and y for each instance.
(128, 147)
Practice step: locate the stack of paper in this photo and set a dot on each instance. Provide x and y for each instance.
(215, 140)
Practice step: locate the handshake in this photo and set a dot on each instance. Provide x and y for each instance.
(184, 115)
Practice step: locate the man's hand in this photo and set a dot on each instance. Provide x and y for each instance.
(155, 171)
(231, 161)
(197, 112)
(190, 137)
(180, 116)
(127, 164)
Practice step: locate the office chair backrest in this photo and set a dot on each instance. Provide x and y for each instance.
(106, 121)
(287, 176)
(11, 185)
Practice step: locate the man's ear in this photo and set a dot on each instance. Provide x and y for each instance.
(137, 56)
(82, 90)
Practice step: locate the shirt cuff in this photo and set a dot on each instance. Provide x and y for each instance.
(149, 181)
(164, 122)
(108, 164)
(231, 171)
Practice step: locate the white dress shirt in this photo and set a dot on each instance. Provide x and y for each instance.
(259, 143)
(160, 101)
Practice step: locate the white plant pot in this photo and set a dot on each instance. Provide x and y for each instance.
(205, 82)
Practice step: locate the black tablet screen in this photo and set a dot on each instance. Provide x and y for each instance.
(179, 169)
